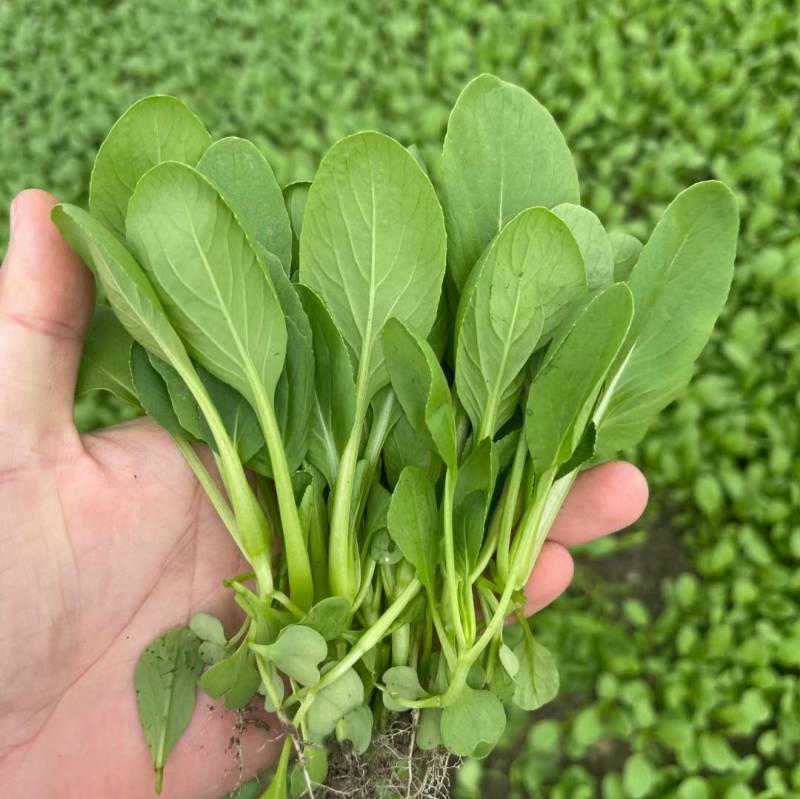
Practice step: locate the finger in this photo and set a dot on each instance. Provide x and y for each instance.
(550, 577)
(46, 299)
(603, 500)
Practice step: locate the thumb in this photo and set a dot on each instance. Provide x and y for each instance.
(46, 300)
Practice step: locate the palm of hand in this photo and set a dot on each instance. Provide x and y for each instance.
(116, 544)
(107, 541)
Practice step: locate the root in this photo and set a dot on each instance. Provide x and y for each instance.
(393, 767)
(241, 722)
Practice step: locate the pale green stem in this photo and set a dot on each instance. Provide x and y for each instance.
(255, 535)
(210, 488)
(468, 614)
(509, 507)
(529, 529)
(344, 563)
(444, 641)
(462, 428)
(552, 505)
(491, 542)
(284, 600)
(301, 583)
(379, 430)
(366, 581)
(269, 688)
(372, 451)
(451, 582)
(341, 547)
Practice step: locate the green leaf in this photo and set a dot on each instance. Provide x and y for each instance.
(208, 628)
(519, 291)
(565, 389)
(439, 337)
(152, 392)
(297, 652)
(106, 362)
(638, 776)
(502, 685)
(209, 278)
(503, 152)
(509, 660)
(332, 703)
(716, 752)
(476, 677)
(139, 310)
(429, 733)
(165, 678)
(695, 787)
(679, 286)
(473, 724)
(272, 699)
(376, 519)
(356, 727)
(417, 156)
(278, 788)
(582, 454)
(421, 387)
(316, 765)
(413, 523)
(318, 538)
(128, 289)
(237, 415)
(152, 130)
(329, 617)
(405, 447)
(246, 180)
(234, 679)
(536, 682)
(294, 395)
(295, 195)
(384, 551)
(211, 653)
(626, 250)
(400, 682)
(373, 246)
(252, 789)
(474, 489)
(183, 402)
(220, 298)
(593, 242)
(334, 390)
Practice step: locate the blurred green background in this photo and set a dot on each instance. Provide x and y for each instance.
(679, 643)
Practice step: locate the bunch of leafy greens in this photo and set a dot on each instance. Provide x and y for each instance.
(399, 384)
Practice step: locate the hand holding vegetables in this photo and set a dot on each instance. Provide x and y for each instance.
(67, 695)
(411, 454)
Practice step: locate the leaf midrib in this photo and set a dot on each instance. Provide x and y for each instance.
(327, 437)
(170, 691)
(249, 366)
(495, 392)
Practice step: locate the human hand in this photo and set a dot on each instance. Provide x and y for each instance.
(87, 581)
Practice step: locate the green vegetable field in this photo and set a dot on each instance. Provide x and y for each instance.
(678, 644)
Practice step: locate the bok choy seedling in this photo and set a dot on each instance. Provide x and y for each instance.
(400, 379)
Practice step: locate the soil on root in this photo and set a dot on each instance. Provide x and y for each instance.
(393, 768)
